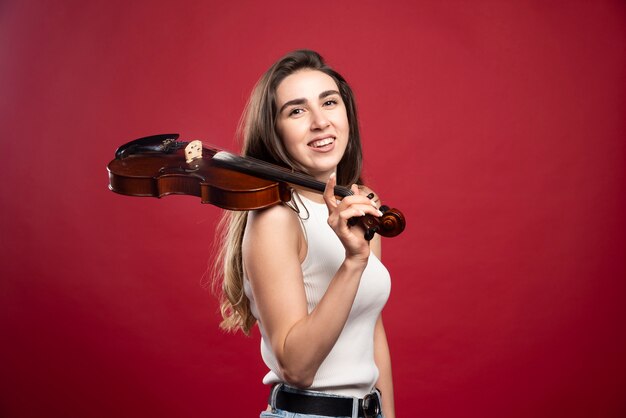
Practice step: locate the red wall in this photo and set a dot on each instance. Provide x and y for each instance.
(498, 128)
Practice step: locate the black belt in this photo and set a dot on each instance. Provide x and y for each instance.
(330, 406)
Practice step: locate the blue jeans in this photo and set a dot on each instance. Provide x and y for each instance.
(278, 413)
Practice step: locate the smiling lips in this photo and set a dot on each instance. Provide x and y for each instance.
(320, 143)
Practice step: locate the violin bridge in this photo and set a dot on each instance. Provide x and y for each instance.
(193, 151)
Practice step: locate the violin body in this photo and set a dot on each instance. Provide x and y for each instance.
(161, 175)
(158, 166)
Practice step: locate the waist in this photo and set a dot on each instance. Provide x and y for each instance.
(290, 399)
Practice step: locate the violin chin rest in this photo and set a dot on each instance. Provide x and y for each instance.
(153, 143)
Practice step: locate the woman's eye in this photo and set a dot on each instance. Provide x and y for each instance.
(330, 102)
(296, 111)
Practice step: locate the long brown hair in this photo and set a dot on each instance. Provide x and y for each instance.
(257, 129)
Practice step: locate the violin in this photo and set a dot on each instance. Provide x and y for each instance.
(160, 165)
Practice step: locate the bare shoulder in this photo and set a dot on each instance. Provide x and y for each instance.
(277, 216)
(365, 190)
(271, 251)
(272, 227)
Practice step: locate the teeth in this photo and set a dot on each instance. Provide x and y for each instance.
(322, 142)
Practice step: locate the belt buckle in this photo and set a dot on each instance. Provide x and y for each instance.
(371, 407)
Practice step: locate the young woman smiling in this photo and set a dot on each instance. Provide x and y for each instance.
(313, 284)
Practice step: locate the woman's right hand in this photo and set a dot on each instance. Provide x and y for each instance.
(339, 213)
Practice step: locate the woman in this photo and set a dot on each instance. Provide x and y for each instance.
(313, 283)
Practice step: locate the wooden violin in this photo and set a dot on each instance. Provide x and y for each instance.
(160, 165)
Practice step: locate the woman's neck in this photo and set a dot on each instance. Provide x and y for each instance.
(311, 195)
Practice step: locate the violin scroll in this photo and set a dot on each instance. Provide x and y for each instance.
(392, 223)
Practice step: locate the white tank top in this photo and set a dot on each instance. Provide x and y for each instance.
(349, 369)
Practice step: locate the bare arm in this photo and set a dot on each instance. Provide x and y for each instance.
(271, 250)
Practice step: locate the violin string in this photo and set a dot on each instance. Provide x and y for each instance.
(269, 168)
(304, 178)
(301, 179)
(265, 168)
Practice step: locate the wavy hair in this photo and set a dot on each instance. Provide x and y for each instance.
(257, 130)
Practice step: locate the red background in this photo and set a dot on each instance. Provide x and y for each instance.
(498, 128)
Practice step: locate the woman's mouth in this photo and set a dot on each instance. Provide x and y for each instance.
(321, 143)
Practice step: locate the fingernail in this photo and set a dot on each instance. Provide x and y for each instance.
(380, 213)
(333, 175)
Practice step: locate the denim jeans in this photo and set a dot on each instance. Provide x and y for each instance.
(278, 413)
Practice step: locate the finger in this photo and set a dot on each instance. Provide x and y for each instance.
(329, 191)
(359, 210)
(358, 200)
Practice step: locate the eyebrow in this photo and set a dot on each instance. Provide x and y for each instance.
(303, 101)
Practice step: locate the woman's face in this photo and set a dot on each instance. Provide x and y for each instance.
(312, 121)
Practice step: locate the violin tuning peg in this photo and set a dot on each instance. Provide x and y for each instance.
(370, 232)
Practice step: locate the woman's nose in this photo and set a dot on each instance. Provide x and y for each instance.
(319, 120)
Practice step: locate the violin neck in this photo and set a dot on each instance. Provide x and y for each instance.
(259, 168)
